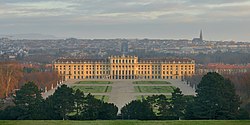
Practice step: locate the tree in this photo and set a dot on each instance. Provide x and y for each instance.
(42, 79)
(137, 109)
(62, 101)
(160, 103)
(108, 111)
(11, 113)
(178, 104)
(29, 100)
(215, 99)
(97, 109)
(10, 74)
(169, 108)
(79, 101)
(91, 109)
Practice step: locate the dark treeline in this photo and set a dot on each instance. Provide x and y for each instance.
(157, 107)
(216, 99)
(65, 103)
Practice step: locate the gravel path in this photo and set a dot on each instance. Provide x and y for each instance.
(122, 93)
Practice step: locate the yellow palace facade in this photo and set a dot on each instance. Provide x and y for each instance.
(124, 67)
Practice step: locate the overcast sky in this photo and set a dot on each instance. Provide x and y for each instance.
(177, 19)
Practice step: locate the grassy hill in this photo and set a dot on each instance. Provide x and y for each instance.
(125, 122)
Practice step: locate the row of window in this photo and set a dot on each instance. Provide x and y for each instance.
(86, 65)
(127, 72)
(87, 72)
(123, 61)
(81, 66)
(123, 71)
(122, 77)
(138, 69)
(164, 68)
(164, 72)
(158, 66)
(126, 66)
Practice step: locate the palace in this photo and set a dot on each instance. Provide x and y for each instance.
(124, 67)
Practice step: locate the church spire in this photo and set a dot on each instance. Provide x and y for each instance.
(201, 35)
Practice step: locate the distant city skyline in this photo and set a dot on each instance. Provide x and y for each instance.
(161, 19)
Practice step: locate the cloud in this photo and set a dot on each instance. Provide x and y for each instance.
(120, 10)
(135, 14)
(38, 8)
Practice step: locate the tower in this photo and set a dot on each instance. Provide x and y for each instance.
(201, 38)
(124, 47)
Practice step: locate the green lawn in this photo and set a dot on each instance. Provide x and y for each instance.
(104, 98)
(93, 89)
(154, 89)
(151, 82)
(94, 82)
(125, 122)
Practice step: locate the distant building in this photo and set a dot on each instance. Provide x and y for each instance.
(124, 67)
(198, 40)
(223, 68)
(124, 47)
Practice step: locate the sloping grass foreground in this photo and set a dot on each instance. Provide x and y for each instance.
(124, 122)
